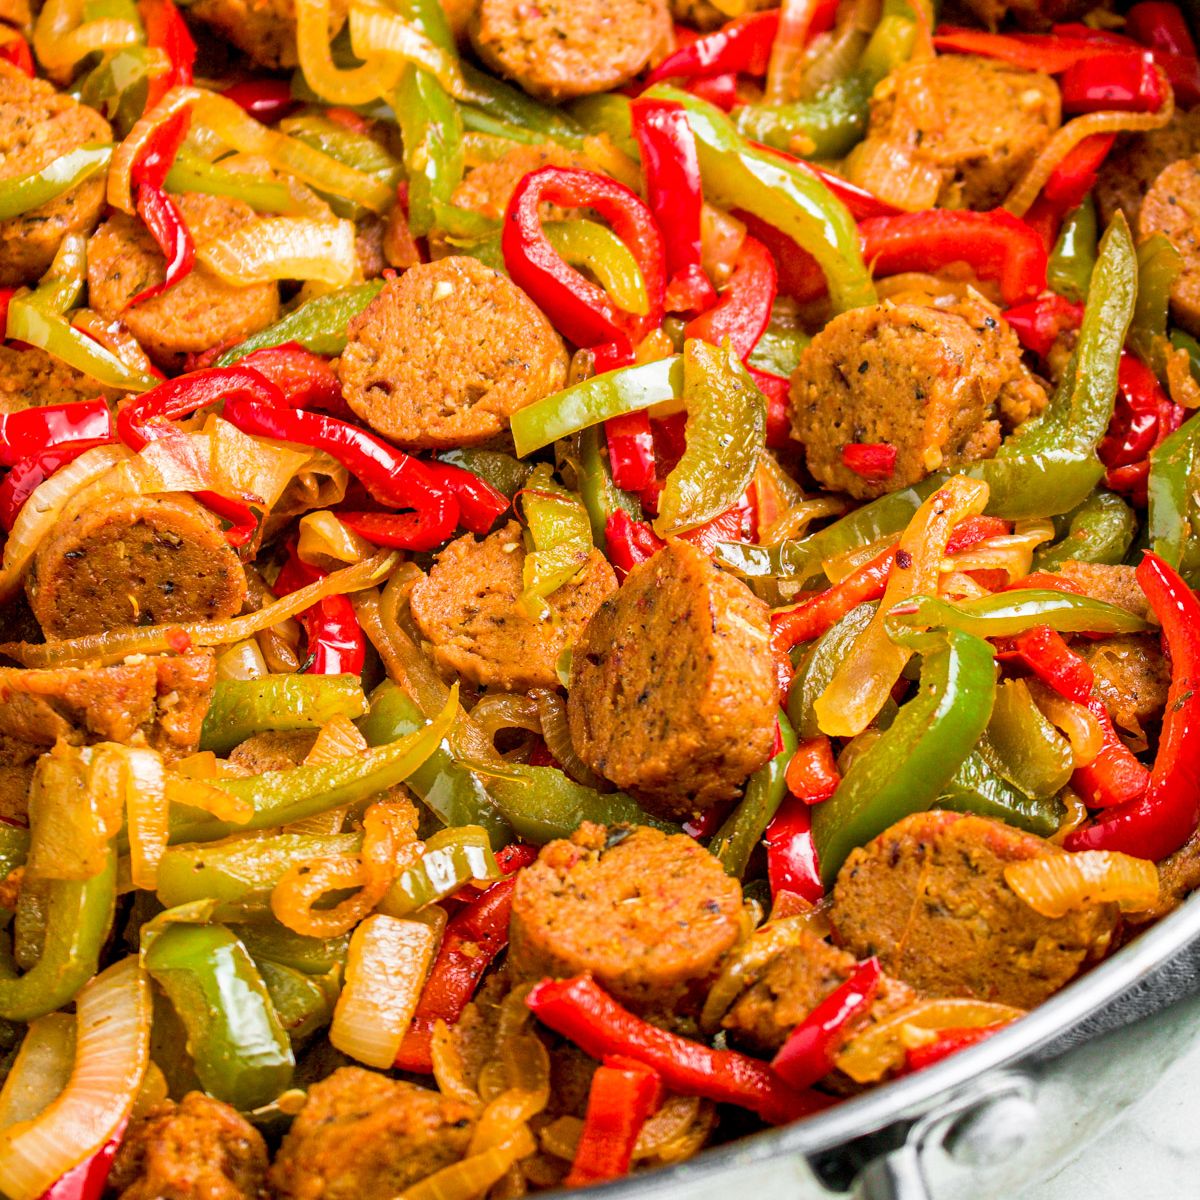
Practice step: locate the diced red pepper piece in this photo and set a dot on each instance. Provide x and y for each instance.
(721, 90)
(741, 46)
(1121, 80)
(744, 308)
(473, 938)
(807, 1055)
(1045, 652)
(1074, 176)
(161, 216)
(812, 774)
(629, 542)
(31, 431)
(1143, 417)
(792, 863)
(1115, 776)
(622, 1096)
(871, 460)
(1162, 26)
(305, 379)
(582, 1012)
(630, 451)
(1037, 323)
(947, 1042)
(335, 640)
(266, 100)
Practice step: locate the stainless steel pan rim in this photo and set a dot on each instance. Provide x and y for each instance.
(910, 1096)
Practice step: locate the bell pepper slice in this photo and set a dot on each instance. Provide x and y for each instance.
(334, 640)
(871, 460)
(1049, 53)
(1164, 29)
(793, 865)
(162, 218)
(1158, 823)
(978, 787)
(743, 310)
(479, 503)
(1069, 271)
(1121, 80)
(15, 49)
(630, 451)
(946, 1042)
(907, 767)
(812, 775)
(741, 46)
(1037, 323)
(266, 100)
(304, 379)
(30, 473)
(580, 1011)
(561, 532)
(34, 430)
(61, 175)
(1174, 516)
(1100, 530)
(623, 1095)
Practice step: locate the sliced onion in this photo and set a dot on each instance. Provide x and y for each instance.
(880, 1048)
(1077, 722)
(1076, 814)
(1009, 552)
(795, 20)
(472, 1177)
(114, 337)
(101, 648)
(283, 248)
(1030, 185)
(147, 814)
(721, 238)
(244, 465)
(843, 565)
(552, 714)
(378, 33)
(242, 661)
(498, 711)
(794, 522)
(120, 172)
(196, 793)
(41, 1069)
(295, 896)
(326, 543)
(386, 967)
(835, 55)
(60, 40)
(338, 738)
(376, 77)
(111, 1056)
(448, 1069)
(1054, 884)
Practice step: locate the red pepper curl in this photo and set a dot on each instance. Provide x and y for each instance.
(744, 308)
(740, 46)
(335, 640)
(792, 862)
(812, 774)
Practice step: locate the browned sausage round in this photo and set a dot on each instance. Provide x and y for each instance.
(445, 354)
(792, 985)
(1113, 584)
(137, 560)
(916, 378)
(928, 896)
(1132, 676)
(198, 1147)
(361, 1134)
(38, 125)
(558, 49)
(30, 377)
(965, 130)
(672, 687)
(1137, 160)
(200, 311)
(1172, 207)
(650, 915)
(488, 188)
(467, 607)
(265, 30)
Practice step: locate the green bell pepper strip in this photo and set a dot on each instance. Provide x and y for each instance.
(588, 244)
(239, 1048)
(430, 123)
(1100, 530)
(977, 788)
(14, 847)
(1069, 270)
(503, 472)
(1081, 409)
(610, 113)
(238, 874)
(452, 858)
(1026, 749)
(348, 146)
(319, 325)
(303, 1005)
(816, 668)
(78, 918)
(60, 175)
(1173, 524)
(828, 126)
(268, 941)
(561, 535)
(510, 106)
(742, 830)
(190, 173)
(625, 390)
(241, 708)
(453, 794)
(280, 797)
(1005, 614)
(726, 436)
(736, 174)
(779, 348)
(118, 87)
(1159, 265)
(908, 766)
(601, 497)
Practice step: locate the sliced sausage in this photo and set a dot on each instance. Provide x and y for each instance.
(1132, 676)
(488, 187)
(1172, 207)
(361, 1134)
(928, 896)
(265, 30)
(792, 985)
(200, 311)
(1137, 160)
(648, 914)
(198, 1147)
(275, 750)
(37, 126)
(467, 607)
(1113, 584)
(30, 377)
(672, 690)
(445, 354)
(134, 560)
(958, 131)
(917, 378)
(558, 49)
(17, 760)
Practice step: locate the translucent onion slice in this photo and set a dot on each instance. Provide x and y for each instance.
(196, 793)
(1010, 552)
(326, 543)
(284, 248)
(147, 814)
(60, 40)
(378, 33)
(376, 77)
(243, 661)
(41, 1069)
(111, 1056)
(552, 713)
(1078, 723)
(473, 1176)
(386, 967)
(1055, 884)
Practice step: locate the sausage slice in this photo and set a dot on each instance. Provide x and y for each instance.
(264, 30)
(1137, 160)
(1172, 207)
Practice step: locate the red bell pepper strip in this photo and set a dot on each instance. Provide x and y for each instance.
(629, 542)
(741, 46)
(579, 309)
(6, 294)
(812, 774)
(775, 388)
(28, 432)
(1045, 652)
(161, 216)
(947, 1042)
(167, 31)
(807, 1055)
(586, 1015)
(1037, 323)
(672, 172)
(473, 938)
(30, 473)
(392, 477)
(871, 460)
(266, 100)
(792, 863)
(335, 640)
(1121, 80)
(479, 504)
(304, 379)
(623, 1094)
(88, 1179)
(1167, 814)
(1144, 416)
(631, 451)
(1115, 776)
(1050, 53)
(744, 308)
(1161, 26)
(16, 51)
(721, 90)
(1073, 178)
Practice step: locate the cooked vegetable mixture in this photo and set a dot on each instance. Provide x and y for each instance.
(579, 578)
